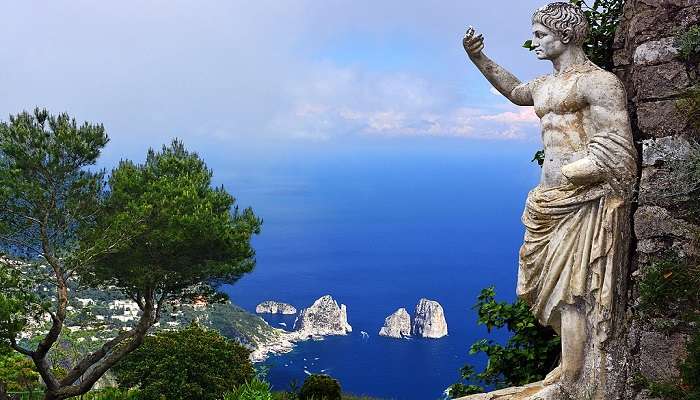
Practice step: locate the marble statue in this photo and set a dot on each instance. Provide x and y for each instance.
(573, 260)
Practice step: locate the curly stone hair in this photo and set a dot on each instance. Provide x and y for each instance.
(559, 16)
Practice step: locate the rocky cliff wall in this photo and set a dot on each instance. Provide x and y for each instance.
(666, 215)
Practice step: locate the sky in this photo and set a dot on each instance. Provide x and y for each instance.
(268, 77)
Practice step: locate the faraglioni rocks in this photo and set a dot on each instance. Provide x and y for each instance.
(275, 307)
(324, 317)
(397, 325)
(429, 321)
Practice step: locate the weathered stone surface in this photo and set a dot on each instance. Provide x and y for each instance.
(688, 16)
(660, 355)
(660, 81)
(275, 307)
(670, 179)
(654, 221)
(666, 149)
(655, 52)
(429, 320)
(512, 393)
(324, 317)
(660, 118)
(645, 39)
(643, 26)
(397, 325)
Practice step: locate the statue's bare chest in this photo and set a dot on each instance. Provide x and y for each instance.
(563, 111)
(558, 94)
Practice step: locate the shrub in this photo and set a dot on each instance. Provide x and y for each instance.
(111, 394)
(689, 104)
(17, 373)
(670, 287)
(603, 17)
(688, 44)
(320, 387)
(530, 353)
(255, 389)
(192, 363)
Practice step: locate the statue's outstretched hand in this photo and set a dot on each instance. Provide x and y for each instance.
(473, 43)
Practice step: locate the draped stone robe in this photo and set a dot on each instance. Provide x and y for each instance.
(576, 236)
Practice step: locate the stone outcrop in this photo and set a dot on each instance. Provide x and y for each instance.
(397, 325)
(512, 393)
(324, 317)
(429, 320)
(664, 221)
(275, 307)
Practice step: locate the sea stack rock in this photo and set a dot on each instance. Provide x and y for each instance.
(324, 317)
(275, 307)
(429, 321)
(397, 325)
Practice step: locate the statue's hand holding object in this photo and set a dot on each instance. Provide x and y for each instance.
(473, 43)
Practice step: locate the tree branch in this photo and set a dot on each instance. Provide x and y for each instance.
(97, 369)
(83, 365)
(16, 347)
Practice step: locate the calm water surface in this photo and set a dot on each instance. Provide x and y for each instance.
(379, 228)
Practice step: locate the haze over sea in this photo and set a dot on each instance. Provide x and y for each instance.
(379, 227)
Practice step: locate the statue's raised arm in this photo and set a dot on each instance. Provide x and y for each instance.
(504, 81)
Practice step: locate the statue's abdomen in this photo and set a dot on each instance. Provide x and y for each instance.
(565, 141)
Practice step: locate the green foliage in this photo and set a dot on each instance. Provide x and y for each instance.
(18, 374)
(345, 396)
(112, 394)
(18, 302)
(157, 232)
(603, 17)
(46, 194)
(255, 389)
(670, 288)
(101, 394)
(688, 44)
(539, 157)
(530, 353)
(690, 368)
(233, 322)
(192, 363)
(689, 104)
(164, 227)
(320, 387)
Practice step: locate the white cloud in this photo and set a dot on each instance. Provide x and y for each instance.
(237, 71)
(523, 115)
(332, 101)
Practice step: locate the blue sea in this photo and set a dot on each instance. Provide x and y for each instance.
(379, 225)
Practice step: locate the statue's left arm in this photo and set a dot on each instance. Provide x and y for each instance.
(611, 155)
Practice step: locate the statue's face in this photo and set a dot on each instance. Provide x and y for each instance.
(547, 44)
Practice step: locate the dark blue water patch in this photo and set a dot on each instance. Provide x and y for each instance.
(398, 369)
(379, 230)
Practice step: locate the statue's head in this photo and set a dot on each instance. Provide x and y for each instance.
(556, 27)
